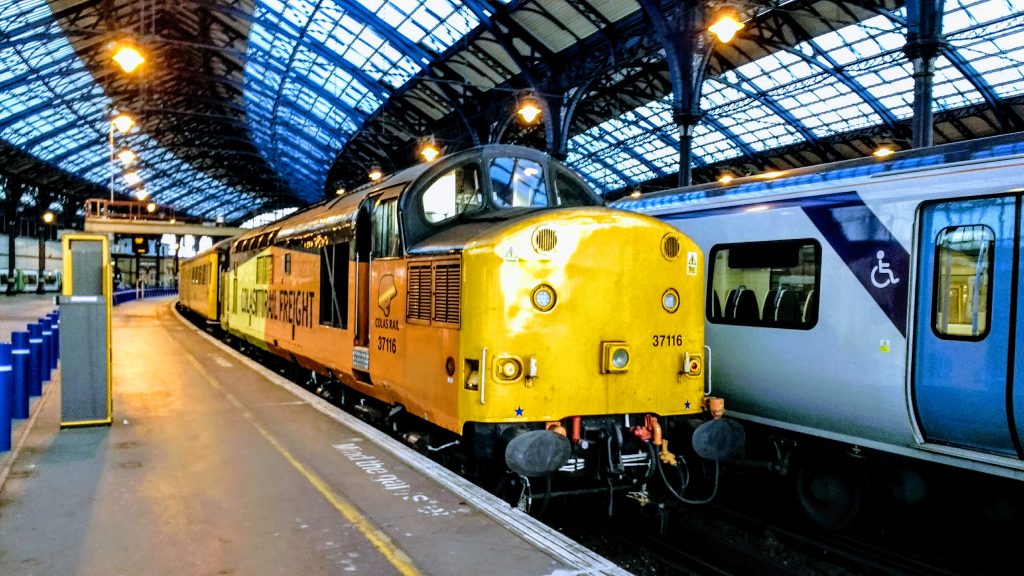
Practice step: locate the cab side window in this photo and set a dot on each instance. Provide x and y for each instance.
(386, 239)
(517, 182)
(454, 193)
(772, 284)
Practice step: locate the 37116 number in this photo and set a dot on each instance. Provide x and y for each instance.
(663, 340)
(385, 344)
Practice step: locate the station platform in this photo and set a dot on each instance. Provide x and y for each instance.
(216, 465)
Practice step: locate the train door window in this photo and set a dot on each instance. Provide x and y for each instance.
(334, 285)
(454, 193)
(963, 265)
(765, 284)
(287, 263)
(517, 182)
(386, 240)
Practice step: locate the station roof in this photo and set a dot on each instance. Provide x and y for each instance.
(247, 106)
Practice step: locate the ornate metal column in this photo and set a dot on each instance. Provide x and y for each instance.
(924, 42)
(15, 189)
(687, 50)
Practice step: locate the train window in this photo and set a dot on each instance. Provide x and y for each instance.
(334, 285)
(771, 284)
(963, 265)
(265, 270)
(386, 241)
(456, 192)
(518, 182)
(287, 263)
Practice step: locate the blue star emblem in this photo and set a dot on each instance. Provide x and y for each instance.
(519, 411)
(687, 404)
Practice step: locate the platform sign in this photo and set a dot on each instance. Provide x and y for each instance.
(85, 344)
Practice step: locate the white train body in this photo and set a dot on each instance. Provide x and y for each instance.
(863, 350)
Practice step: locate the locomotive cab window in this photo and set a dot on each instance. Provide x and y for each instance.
(386, 240)
(572, 192)
(517, 183)
(456, 192)
(773, 284)
(963, 264)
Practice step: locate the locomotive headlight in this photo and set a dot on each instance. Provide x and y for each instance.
(543, 297)
(620, 358)
(670, 300)
(508, 368)
(614, 357)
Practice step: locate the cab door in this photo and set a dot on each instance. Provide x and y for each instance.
(964, 390)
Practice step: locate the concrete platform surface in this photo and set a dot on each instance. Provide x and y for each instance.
(215, 466)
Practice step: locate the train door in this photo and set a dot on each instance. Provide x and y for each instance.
(963, 387)
(361, 298)
(387, 293)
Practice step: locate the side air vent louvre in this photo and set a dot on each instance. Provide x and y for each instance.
(447, 290)
(418, 306)
(435, 292)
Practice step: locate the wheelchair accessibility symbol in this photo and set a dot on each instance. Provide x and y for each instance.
(881, 270)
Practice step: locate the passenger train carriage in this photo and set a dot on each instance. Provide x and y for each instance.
(491, 294)
(874, 303)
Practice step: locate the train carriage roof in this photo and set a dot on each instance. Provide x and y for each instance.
(804, 179)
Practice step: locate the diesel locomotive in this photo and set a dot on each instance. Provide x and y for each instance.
(492, 297)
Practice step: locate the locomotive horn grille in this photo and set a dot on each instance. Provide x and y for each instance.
(544, 240)
(670, 246)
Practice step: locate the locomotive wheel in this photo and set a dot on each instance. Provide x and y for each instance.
(830, 492)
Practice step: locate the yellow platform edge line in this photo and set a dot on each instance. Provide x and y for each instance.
(399, 559)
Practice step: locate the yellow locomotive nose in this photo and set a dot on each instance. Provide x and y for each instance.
(538, 289)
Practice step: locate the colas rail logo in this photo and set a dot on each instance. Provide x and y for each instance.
(386, 292)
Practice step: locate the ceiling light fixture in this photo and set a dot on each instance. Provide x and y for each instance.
(529, 109)
(128, 58)
(429, 150)
(375, 173)
(123, 123)
(126, 156)
(727, 24)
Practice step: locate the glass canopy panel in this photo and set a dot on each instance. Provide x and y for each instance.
(436, 23)
(990, 36)
(316, 70)
(712, 145)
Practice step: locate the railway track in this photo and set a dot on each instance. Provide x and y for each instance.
(728, 538)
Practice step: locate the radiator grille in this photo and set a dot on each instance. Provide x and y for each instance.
(447, 288)
(419, 292)
(545, 240)
(670, 246)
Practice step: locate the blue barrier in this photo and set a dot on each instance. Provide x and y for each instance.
(55, 328)
(6, 397)
(123, 296)
(46, 353)
(35, 364)
(20, 354)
